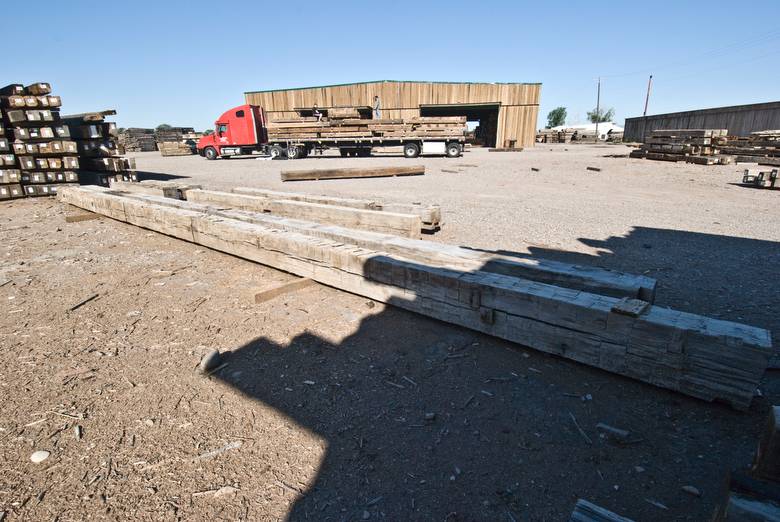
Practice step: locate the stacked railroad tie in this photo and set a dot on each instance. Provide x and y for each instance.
(699, 146)
(137, 140)
(597, 317)
(100, 155)
(762, 147)
(176, 141)
(554, 136)
(43, 154)
(175, 148)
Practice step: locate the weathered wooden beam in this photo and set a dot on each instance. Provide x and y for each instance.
(406, 225)
(589, 279)
(377, 172)
(430, 215)
(705, 358)
(585, 511)
(748, 499)
(167, 189)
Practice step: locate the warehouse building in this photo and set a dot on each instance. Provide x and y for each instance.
(505, 112)
(740, 120)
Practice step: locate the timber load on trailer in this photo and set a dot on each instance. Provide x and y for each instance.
(245, 130)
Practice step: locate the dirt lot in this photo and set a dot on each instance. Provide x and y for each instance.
(335, 408)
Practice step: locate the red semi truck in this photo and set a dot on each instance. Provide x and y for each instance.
(244, 130)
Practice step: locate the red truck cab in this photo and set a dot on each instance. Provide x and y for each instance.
(241, 130)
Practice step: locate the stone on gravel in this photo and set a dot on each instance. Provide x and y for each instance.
(210, 361)
(39, 456)
(692, 491)
(612, 432)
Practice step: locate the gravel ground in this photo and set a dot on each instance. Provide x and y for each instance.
(334, 408)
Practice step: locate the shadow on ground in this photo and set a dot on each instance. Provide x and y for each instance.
(144, 175)
(424, 420)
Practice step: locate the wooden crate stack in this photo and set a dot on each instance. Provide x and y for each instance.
(100, 155)
(137, 140)
(762, 147)
(700, 146)
(335, 126)
(44, 154)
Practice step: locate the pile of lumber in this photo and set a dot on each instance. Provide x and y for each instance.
(100, 156)
(699, 146)
(171, 134)
(594, 316)
(375, 172)
(137, 140)
(762, 147)
(175, 148)
(36, 152)
(554, 136)
(341, 123)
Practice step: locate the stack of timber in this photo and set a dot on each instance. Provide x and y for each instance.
(699, 146)
(753, 494)
(100, 155)
(554, 136)
(376, 172)
(137, 140)
(593, 316)
(762, 147)
(175, 148)
(36, 144)
(336, 127)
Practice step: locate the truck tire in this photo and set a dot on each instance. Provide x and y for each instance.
(343, 152)
(276, 151)
(411, 150)
(453, 149)
(364, 152)
(294, 152)
(210, 153)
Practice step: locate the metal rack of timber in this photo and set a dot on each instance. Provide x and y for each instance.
(36, 153)
(594, 316)
(100, 155)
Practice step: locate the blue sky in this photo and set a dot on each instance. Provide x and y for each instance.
(184, 63)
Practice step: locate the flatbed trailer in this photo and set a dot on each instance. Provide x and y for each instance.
(245, 130)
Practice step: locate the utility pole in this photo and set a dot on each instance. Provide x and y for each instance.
(598, 112)
(647, 98)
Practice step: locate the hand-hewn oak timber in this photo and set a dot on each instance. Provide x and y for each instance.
(378, 172)
(701, 357)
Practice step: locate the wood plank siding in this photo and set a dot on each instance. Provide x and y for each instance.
(518, 103)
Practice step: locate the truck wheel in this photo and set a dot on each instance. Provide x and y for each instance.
(210, 153)
(343, 152)
(453, 149)
(293, 152)
(364, 152)
(276, 151)
(411, 150)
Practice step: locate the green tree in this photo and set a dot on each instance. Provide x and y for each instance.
(556, 117)
(600, 115)
(163, 127)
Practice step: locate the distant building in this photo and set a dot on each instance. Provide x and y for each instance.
(739, 120)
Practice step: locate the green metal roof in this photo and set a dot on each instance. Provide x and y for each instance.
(392, 81)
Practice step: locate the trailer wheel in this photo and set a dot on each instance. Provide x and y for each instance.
(293, 152)
(364, 152)
(411, 150)
(276, 151)
(210, 153)
(453, 149)
(343, 152)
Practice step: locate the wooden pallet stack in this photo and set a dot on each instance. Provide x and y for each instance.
(335, 127)
(136, 139)
(699, 146)
(762, 147)
(100, 155)
(43, 153)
